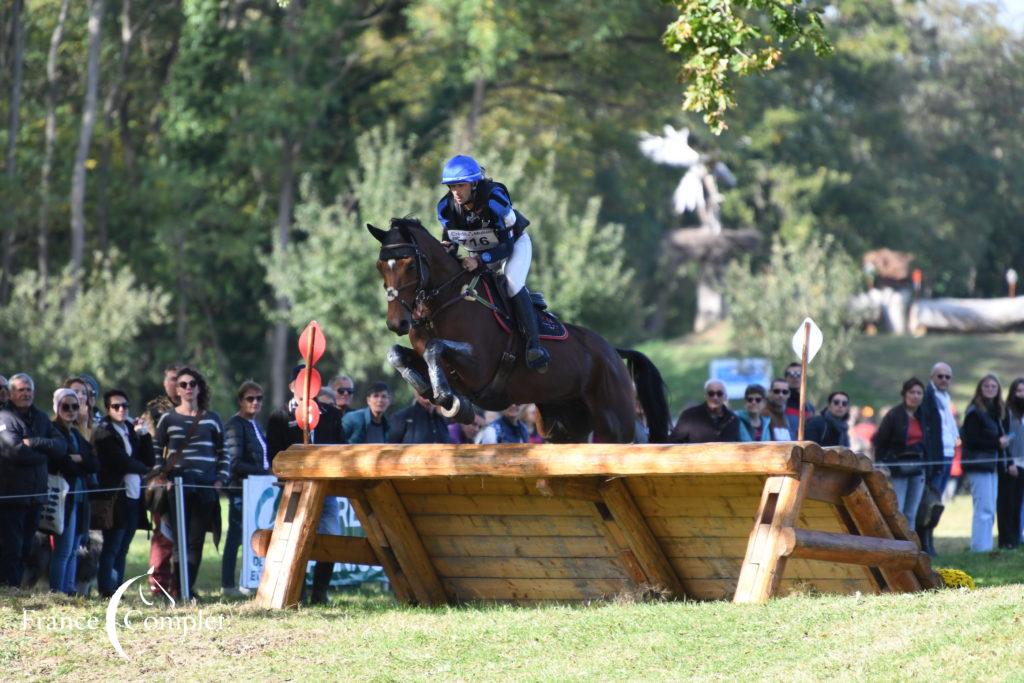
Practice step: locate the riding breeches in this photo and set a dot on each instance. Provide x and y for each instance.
(517, 266)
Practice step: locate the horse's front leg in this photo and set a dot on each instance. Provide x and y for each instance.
(451, 404)
(412, 368)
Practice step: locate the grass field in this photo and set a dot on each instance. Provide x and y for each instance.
(882, 362)
(955, 635)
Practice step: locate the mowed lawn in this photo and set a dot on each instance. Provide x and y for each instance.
(950, 634)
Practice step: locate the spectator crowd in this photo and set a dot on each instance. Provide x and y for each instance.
(91, 474)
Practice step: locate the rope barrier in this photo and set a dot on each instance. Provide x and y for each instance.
(89, 492)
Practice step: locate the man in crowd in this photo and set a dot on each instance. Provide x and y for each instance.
(709, 421)
(507, 428)
(28, 441)
(793, 374)
(939, 417)
(283, 431)
(370, 424)
(419, 423)
(344, 389)
(778, 395)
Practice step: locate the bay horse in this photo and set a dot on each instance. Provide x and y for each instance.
(462, 356)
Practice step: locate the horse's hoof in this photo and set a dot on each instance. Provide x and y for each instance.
(461, 411)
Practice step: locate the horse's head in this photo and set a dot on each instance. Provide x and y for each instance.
(407, 253)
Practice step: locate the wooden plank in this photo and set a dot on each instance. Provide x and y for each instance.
(399, 461)
(581, 488)
(479, 485)
(711, 506)
(848, 549)
(869, 521)
(534, 589)
(763, 565)
(690, 527)
(639, 537)
(518, 546)
(667, 486)
(529, 568)
(405, 543)
(428, 504)
(504, 525)
(381, 548)
(345, 489)
(288, 553)
(706, 567)
(704, 547)
(348, 549)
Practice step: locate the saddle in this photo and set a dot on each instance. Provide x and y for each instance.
(549, 327)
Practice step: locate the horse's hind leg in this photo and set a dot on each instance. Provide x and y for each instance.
(611, 404)
(412, 368)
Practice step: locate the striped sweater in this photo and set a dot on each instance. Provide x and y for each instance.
(204, 459)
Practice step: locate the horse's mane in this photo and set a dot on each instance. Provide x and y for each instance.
(412, 230)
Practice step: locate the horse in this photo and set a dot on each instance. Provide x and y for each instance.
(462, 355)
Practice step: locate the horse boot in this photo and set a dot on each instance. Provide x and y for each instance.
(536, 355)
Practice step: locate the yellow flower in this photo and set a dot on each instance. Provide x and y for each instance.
(956, 578)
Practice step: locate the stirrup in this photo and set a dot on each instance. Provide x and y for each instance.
(537, 358)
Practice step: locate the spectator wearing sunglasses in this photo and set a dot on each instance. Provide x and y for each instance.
(28, 441)
(777, 397)
(793, 374)
(830, 428)
(939, 418)
(5, 393)
(246, 445)
(710, 421)
(755, 425)
(344, 389)
(74, 466)
(124, 454)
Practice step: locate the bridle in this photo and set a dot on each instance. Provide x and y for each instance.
(422, 296)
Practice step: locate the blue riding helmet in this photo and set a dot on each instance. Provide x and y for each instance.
(461, 169)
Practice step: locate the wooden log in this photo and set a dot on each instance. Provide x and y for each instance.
(830, 485)
(298, 516)
(398, 461)
(347, 549)
(848, 549)
(836, 457)
(869, 521)
(405, 544)
(881, 488)
(763, 564)
(639, 537)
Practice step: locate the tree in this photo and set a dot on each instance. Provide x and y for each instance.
(803, 278)
(11, 157)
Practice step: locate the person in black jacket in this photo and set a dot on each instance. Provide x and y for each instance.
(282, 432)
(28, 440)
(77, 464)
(247, 450)
(710, 421)
(984, 441)
(418, 423)
(830, 428)
(901, 442)
(125, 453)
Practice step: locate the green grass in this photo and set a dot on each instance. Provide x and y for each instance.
(948, 634)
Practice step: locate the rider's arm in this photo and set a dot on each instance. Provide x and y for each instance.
(501, 205)
(451, 247)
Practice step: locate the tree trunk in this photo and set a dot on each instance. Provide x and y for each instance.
(10, 159)
(43, 238)
(84, 141)
(285, 205)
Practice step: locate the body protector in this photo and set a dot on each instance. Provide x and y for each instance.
(489, 229)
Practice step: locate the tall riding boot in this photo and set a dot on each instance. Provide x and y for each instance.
(536, 355)
(322, 572)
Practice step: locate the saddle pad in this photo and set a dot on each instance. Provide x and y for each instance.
(549, 327)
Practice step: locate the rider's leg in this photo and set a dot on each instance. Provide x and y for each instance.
(516, 269)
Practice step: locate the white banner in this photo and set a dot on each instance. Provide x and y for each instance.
(259, 508)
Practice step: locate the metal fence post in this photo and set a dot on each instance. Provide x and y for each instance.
(182, 539)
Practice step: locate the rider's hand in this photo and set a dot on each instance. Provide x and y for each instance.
(1004, 441)
(470, 263)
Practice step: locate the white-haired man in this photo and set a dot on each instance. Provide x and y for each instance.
(710, 421)
(941, 430)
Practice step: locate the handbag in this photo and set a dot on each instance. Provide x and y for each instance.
(51, 517)
(157, 498)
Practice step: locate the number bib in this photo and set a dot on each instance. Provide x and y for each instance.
(474, 240)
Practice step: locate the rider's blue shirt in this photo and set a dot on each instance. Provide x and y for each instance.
(487, 231)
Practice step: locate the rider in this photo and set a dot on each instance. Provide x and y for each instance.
(477, 213)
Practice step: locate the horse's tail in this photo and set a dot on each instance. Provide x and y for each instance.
(650, 389)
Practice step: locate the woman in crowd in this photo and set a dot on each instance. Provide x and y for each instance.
(83, 391)
(900, 444)
(529, 416)
(461, 433)
(246, 446)
(1011, 479)
(74, 466)
(755, 425)
(194, 438)
(830, 427)
(983, 439)
(125, 454)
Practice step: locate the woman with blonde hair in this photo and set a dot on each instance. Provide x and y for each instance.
(984, 441)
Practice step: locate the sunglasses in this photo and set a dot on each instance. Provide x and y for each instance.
(793, 373)
(715, 394)
(781, 392)
(253, 399)
(190, 384)
(346, 390)
(755, 399)
(119, 406)
(840, 403)
(70, 407)
(943, 376)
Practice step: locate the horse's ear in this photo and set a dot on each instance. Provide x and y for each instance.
(377, 232)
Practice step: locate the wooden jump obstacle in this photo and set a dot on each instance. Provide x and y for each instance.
(529, 523)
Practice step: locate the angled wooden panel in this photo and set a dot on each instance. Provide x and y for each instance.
(290, 544)
(869, 521)
(381, 548)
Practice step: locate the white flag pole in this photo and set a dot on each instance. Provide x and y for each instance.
(803, 379)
